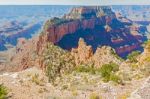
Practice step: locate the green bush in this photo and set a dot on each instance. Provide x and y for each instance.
(105, 72)
(3, 92)
(133, 56)
(108, 72)
(38, 81)
(95, 96)
(115, 78)
(87, 69)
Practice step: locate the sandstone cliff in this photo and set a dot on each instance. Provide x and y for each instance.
(98, 26)
(103, 55)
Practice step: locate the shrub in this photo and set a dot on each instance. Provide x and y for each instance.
(64, 87)
(3, 92)
(133, 56)
(94, 96)
(105, 72)
(134, 66)
(42, 90)
(114, 66)
(147, 59)
(147, 44)
(124, 96)
(87, 69)
(74, 92)
(35, 79)
(107, 68)
(115, 78)
(108, 72)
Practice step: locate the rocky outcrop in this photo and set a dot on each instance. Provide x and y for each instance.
(87, 12)
(84, 55)
(105, 55)
(25, 55)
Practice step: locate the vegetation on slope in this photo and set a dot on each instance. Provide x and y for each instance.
(58, 62)
(3, 92)
(55, 21)
(107, 71)
(133, 56)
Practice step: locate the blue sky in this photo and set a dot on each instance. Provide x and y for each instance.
(75, 2)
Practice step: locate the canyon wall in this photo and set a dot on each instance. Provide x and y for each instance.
(95, 24)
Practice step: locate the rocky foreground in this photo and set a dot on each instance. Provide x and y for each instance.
(33, 84)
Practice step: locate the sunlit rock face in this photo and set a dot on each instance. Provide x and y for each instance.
(98, 26)
(83, 54)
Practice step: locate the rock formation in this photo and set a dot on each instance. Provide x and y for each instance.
(144, 58)
(84, 55)
(104, 55)
(98, 26)
(25, 55)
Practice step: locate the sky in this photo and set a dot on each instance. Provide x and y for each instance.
(74, 2)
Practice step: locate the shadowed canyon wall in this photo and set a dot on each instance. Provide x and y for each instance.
(98, 26)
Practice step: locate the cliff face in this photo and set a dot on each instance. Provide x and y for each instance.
(83, 54)
(56, 33)
(98, 26)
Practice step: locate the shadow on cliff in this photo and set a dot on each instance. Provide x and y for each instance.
(98, 37)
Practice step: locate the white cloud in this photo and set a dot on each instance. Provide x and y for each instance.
(75, 2)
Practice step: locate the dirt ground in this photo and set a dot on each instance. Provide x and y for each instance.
(33, 84)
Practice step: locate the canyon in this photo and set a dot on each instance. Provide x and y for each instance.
(98, 26)
(22, 22)
(76, 56)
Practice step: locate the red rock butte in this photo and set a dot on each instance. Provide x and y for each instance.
(118, 28)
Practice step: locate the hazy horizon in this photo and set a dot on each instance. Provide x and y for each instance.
(75, 2)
